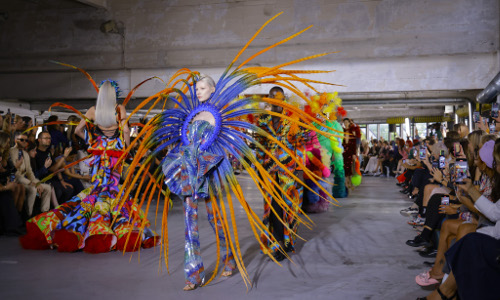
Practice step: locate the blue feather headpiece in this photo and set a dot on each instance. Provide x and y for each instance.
(113, 84)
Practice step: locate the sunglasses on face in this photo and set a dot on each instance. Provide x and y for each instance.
(22, 140)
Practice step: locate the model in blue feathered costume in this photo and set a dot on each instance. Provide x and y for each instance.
(197, 135)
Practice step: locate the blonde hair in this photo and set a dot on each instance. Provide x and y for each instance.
(475, 138)
(6, 123)
(105, 109)
(4, 145)
(207, 79)
(485, 138)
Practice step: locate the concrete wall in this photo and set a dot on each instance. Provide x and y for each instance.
(387, 45)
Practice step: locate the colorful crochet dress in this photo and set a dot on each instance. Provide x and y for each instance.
(93, 220)
(318, 162)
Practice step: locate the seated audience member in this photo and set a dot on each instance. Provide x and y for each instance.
(474, 259)
(382, 157)
(28, 123)
(18, 124)
(371, 164)
(420, 178)
(468, 220)
(58, 139)
(42, 172)
(8, 171)
(70, 175)
(363, 154)
(390, 164)
(434, 210)
(64, 190)
(25, 175)
(7, 124)
(403, 153)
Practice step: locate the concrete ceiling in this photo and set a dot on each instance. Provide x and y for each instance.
(397, 57)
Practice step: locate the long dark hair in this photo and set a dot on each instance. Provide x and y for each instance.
(495, 192)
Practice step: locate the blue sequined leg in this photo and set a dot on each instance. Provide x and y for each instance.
(219, 232)
(193, 264)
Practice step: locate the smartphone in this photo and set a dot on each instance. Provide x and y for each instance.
(494, 110)
(492, 127)
(12, 177)
(445, 200)
(404, 161)
(452, 172)
(442, 159)
(70, 143)
(415, 153)
(476, 117)
(422, 153)
(20, 155)
(12, 118)
(456, 149)
(435, 164)
(461, 169)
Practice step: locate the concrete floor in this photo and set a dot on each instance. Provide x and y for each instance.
(356, 251)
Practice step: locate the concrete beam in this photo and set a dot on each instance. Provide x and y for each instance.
(454, 74)
(95, 3)
(383, 114)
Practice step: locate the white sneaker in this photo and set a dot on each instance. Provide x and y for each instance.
(418, 221)
(409, 212)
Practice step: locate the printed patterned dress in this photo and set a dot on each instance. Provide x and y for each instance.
(93, 220)
(293, 190)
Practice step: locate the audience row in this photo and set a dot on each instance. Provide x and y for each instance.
(454, 183)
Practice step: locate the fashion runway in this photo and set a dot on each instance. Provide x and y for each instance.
(356, 251)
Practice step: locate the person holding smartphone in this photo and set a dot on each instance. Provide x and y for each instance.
(474, 258)
(457, 228)
(25, 175)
